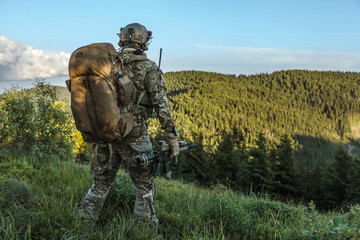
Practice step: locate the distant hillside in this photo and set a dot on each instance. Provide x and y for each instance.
(306, 104)
(64, 95)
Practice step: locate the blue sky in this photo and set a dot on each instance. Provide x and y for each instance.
(236, 37)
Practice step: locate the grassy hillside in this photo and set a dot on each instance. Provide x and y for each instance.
(244, 127)
(41, 203)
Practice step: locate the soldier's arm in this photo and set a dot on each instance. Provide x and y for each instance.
(156, 88)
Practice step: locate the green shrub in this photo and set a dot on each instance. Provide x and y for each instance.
(33, 121)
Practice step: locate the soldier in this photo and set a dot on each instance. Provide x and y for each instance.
(151, 91)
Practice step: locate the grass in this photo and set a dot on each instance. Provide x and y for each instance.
(39, 201)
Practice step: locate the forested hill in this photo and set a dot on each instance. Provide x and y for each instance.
(316, 104)
(245, 124)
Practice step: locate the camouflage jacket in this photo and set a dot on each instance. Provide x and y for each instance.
(145, 75)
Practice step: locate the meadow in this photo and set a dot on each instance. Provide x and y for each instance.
(41, 203)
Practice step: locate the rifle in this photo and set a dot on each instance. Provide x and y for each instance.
(161, 158)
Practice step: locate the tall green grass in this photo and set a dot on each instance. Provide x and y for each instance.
(40, 202)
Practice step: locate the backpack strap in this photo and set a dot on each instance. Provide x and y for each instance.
(141, 96)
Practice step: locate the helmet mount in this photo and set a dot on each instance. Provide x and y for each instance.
(134, 34)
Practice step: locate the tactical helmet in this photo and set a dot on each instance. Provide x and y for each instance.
(134, 33)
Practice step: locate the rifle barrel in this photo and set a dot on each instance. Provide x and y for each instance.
(187, 147)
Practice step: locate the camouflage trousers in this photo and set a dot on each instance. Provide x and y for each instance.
(109, 157)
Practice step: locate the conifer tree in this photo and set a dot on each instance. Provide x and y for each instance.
(285, 177)
(337, 180)
(260, 171)
(353, 188)
(195, 165)
(225, 161)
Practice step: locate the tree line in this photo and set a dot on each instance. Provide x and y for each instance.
(271, 170)
(280, 133)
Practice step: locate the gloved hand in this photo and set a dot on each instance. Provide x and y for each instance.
(174, 145)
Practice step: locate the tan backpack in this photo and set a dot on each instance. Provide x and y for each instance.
(95, 88)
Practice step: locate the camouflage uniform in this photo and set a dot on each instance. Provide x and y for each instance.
(145, 75)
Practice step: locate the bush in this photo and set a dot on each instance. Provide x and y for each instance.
(34, 122)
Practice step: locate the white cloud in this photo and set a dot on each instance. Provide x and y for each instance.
(241, 60)
(19, 61)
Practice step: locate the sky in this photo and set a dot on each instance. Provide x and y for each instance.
(228, 36)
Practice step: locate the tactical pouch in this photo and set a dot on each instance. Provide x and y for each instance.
(126, 91)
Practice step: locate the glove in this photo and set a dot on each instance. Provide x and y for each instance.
(174, 145)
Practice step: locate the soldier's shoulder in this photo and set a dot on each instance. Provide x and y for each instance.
(149, 64)
(149, 61)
